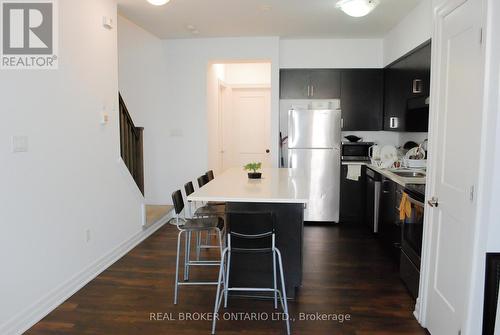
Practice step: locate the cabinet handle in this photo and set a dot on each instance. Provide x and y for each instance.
(384, 190)
(342, 123)
(312, 90)
(394, 122)
(308, 90)
(417, 86)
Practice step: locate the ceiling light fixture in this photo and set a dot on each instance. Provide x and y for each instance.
(357, 8)
(158, 2)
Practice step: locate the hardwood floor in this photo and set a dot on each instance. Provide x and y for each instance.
(345, 272)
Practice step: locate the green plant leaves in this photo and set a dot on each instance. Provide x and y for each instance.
(253, 166)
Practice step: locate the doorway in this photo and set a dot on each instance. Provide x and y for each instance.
(239, 114)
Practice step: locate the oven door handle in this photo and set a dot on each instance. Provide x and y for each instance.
(415, 202)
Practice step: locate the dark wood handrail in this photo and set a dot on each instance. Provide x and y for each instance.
(131, 145)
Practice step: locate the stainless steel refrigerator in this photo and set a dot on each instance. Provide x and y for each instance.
(314, 146)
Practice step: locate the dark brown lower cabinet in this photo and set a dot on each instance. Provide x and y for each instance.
(352, 197)
(389, 223)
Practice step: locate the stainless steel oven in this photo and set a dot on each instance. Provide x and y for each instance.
(411, 238)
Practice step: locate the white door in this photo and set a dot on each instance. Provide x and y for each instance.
(455, 156)
(248, 128)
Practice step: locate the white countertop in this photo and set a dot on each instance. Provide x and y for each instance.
(403, 181)
(276, 186)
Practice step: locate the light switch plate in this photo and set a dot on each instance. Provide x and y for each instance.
(19, 144)
(107, 22)
(104, 118)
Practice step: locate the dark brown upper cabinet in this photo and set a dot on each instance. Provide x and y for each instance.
(395, 98)
(407, 89)
(362, 99)
(309, 84)
(295, 84)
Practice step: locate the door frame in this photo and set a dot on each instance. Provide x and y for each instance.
(275, 97)
(222, 85)
(473, 307)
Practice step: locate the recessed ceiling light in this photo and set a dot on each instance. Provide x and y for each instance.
(158, 2)
(190, 27)
(195, 32)
(357, 8)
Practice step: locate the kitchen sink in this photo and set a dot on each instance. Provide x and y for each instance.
(409, 174)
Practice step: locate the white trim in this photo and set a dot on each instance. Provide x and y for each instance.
(37, 311)
(247, 86)
(144, 216)
(421, 304)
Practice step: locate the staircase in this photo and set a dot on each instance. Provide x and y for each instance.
(131, 145)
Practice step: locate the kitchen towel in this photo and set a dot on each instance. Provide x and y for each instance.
(353, 172)
(404, 207)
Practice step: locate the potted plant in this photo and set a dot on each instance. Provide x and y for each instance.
(254, 167)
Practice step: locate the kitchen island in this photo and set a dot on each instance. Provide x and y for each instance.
(285, 193)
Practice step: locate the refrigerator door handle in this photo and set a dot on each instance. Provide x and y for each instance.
(291, 128)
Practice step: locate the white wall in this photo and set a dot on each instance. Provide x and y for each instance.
(142, 83)
(69, 180)
(184, 122)
(412, 31)
(331, 53)
(248, 74)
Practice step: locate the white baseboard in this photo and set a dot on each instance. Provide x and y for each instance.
(37, 311)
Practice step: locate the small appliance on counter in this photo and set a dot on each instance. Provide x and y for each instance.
(356, 151)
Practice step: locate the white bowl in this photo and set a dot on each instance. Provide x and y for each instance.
(415, 163)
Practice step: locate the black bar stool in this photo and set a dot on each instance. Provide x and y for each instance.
(188, 226)
(202, 180)
(203, 211)
(251, 232)
(206, 210)
(209, 177)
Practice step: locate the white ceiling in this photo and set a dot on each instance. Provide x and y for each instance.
(284, 18)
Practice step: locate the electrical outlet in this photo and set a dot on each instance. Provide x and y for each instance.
(87, 235)
(177, 132)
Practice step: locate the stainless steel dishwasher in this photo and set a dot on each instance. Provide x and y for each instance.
(373, 189)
